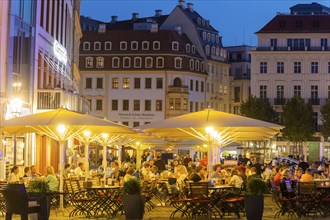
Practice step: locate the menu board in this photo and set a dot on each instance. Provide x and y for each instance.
(313, 151)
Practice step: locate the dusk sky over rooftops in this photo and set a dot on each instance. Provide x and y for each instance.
(236, 20)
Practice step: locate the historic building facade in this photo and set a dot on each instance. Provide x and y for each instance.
(147, 69)
(293, 59)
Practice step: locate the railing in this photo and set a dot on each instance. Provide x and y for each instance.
(279, 101)
(288, 48)
(182, 89)
(56, 98)
(314, 101)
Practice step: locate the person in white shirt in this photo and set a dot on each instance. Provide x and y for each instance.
(267, 173)
(79, 171)
(13, 176)
(235, 180)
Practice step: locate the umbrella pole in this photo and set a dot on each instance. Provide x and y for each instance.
(105, 162)
(61, 168)
(86, 160)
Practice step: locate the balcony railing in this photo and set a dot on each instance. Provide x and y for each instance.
(56, 98)
(279, 101)
(182, 89)
(314, 101)
(288, 48)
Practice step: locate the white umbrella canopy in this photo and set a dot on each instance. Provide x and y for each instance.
(61, 125)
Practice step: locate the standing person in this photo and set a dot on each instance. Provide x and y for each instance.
(203, 161)
(51, 179)
(187, 159)
(34, 174)
(303, 164)
(74, 158)
(13, 176)
(195, 157)
(256, 165)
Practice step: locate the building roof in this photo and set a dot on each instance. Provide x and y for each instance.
(297, 24)
(129, 24)
(313, 8)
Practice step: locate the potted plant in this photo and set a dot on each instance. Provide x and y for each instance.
(38, 189)
(38, 186)
(254, 198)
(133, 200)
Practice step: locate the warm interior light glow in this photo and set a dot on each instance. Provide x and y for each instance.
(87, 133)
(104, 135)
(137, 143)
(60, 129)
(209, 130)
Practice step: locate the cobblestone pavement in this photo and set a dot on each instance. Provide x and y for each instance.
(163, 212)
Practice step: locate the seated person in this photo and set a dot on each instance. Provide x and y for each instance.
(285, 184)
(198, 175)
(307, 177)
(51, 179)
(216, 173)
(129, 174)
(235, 179)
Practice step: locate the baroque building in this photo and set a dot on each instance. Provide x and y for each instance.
(147, 69)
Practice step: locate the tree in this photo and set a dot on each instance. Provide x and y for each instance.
(259, 109)
(325, 110)
(298, 121)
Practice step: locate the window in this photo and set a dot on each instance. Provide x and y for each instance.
(208, 36)
(137, 62)
(175, 46)
(177, 63)
(202, 66)
(89, 82)
(126, 123)
(213, 37)
(147, 105)
(137, 83)
(273, 43)
(328, 92)
(127, 62)
(136, 124)
(297, 91)
(193, 49)
(123, 45)
(297, 67)
(160, 62)
(191, 85)
(263, 92)
(314, 67)
(280, 67)
(185, 104)
(148, 83)
(197, 86)
(197, 65)
(217, 39)
(159, 105)
(99, 83)
(115, 62)
(134, 45)
(237, 94)
(280, 92)
(97, 45)
(171, 103)
(99, 104)
(145, 45)
(115, 83)
(136, 105)
(191, 64)
(159, 83)
(204, 35)
(202, 86)
(100, 62)
(263, 67)
(328, 67)
(207, 49)
(107, 45)
(177, 103)
(324, 43)
(314, 92)
(89, 62)
(188, 48)
(213, 50)
(156, 45)
(125, 105)
(125, 83)
(196, 106)
(86, 46)
(148, 62)
(191, 107)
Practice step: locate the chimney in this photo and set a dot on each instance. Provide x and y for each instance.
(190, 6)
(102, 28)
(181, 3)
(135, 16)
(114, 18)
(158, 13)
(178, 29)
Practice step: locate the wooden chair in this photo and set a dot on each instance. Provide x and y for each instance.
(307, 202)
(200, 200)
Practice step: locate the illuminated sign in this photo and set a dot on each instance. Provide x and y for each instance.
(60, 52)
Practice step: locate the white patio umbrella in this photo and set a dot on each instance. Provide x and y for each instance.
(61, 125)
(213, 127)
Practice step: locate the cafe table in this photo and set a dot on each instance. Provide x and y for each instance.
(217, 194)
(106, 203)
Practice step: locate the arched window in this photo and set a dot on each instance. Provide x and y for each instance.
(175, 45)
(204, 35)
(208, 36)
(197, 65)
(89, 62)
(156, 45)
(127, 62)
(202, 67)
(213, 37)
(207, 49)
(193, 49)
(191, 64)
(107, 45)
(86, 46)
(177, 82)
(134, 45)
(99, 62)
(177, 62)
(217, 51)
(199, 21)
(115, 62)
(212, 50)
(160, 62)
(145, 45)
(123, 45)
(217, 39)
(148, 62)
(97, 45)
(188, 48)
(137, 62)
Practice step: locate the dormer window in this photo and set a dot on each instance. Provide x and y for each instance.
(197, 65)
(156, 45)
(193, 49)
(123, 45)
(160, 62)
(145, 45)
(127, 62)
(217, 39)
(175, 46)
(134, 45)
(107, 45)
(204, 35)
(97, 45)
(213, 37)
(203, 22)
(213, 50)
(202, 67)
(207, 49)
(217, 51)
(208, 36)
(191, 64)
(188, 48)
(115, 62)
(86, 46)
(148, 62)
(199, 21)
(137, 62)
(178, 63)
(89, 62)
(99, 62)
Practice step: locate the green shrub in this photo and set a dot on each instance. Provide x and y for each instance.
(38, 185)
(255, 186)
(132, 187)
